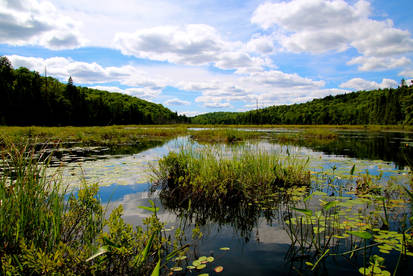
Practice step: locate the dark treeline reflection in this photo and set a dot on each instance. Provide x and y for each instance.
(387, 146)
(26, 98)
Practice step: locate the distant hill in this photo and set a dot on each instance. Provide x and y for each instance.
(382, 107)
(26, 98)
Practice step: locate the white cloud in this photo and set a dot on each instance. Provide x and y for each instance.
(379, 63)
(362, 84)
(283, 80)
(261, 44)
(193, 44)
(190, 113)
(317, 26)
(406, 73)
(25, 22)
(176, 101)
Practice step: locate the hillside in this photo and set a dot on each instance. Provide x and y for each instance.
(26, 98)
(382, 107)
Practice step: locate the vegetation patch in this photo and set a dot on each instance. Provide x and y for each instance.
(223, 135)
(212, 175)
(45, 231)
(107, 135)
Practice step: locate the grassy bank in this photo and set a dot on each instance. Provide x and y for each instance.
(46, 231)
(107, 135)
(338, 127)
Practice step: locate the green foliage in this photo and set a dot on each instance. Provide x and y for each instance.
(105, 135)
(379, 107)
(52, 103)
(226, 135)
(210, 174)
(45, 231)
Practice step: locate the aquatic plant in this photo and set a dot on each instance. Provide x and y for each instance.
(210, 174)
(222, 135)
(44, 230)
(356, 221)
(102, 135)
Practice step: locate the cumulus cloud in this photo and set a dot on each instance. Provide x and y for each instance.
(283, 80)
(317, 26)
(362, 84)
(261, 44)
(193, 44)
(40, 23)
(378, 63)
(88, 73)
(176, 101)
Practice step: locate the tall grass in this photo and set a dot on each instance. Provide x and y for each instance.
(212, 174)
(46, 231)
(29, 201)
(222, 135)
(103, 135)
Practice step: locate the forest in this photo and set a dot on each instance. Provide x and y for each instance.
(378, 107)
(26, 98)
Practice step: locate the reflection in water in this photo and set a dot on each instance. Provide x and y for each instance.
(240, 213)
(253, 230)
(393, 147)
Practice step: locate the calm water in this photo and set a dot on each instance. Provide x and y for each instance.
(259, 243)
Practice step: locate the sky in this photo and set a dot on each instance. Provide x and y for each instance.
(199, 56)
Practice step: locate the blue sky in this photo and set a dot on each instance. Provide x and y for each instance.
(197, 56)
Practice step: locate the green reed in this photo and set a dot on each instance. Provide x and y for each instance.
(222, 135)
(45, 230)
(210, 173)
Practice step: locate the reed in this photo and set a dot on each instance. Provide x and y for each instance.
(103, 135)
(211, 174)
(222, 135)
(45, 230)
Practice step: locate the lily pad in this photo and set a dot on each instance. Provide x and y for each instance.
(176, 268)
(201, 266)
(219, 269)
(224, 248)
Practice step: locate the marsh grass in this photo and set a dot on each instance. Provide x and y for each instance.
(102, 135)
(222, 135)
(46, 231)
(307, 136)
(210, 174)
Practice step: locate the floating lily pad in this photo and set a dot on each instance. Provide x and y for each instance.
(180, 258)
(196, 263)
(176, 268)
(224, 248)
(201, 266)
(219, 269)
(210, 259)
(191, 267)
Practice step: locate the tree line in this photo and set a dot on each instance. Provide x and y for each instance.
(26, 98)
(381, 107)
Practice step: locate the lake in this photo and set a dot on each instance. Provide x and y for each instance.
(259, 241)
